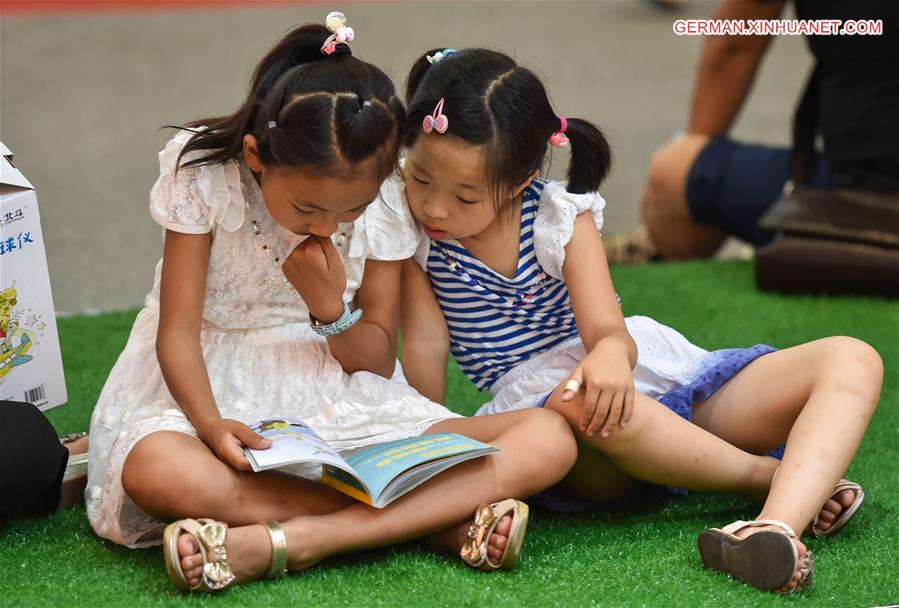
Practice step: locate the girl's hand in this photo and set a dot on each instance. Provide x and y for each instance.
(227, 438)
(605, 374)
(316, 271)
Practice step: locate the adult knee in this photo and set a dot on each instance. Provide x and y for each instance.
(666, 180)
(664, 207)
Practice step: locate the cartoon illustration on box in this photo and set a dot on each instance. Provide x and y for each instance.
(15, 340)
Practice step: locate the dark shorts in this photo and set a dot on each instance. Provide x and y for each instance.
(731, 185)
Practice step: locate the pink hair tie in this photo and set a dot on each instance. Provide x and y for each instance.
(437, 121)
(335, 22)
(559, 139)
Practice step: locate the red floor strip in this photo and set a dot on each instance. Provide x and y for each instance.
(49, 7)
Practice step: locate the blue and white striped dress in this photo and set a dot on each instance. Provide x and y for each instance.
(497, 323)
(517, 337)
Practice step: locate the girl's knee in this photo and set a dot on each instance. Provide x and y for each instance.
(855, 358)
(143, 471)
(572, 410)
(623, 438)
(154, 473)
(550, 439)
(854, 367)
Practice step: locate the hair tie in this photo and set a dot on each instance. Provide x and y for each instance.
(559, 139)
(437, 121)
(439, 56)
(272, 124)
(335, 22)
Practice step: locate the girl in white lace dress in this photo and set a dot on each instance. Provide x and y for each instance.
(511, 278)
(273, 240)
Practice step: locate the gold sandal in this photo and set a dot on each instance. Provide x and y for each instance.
(210, 536)
(486, 517)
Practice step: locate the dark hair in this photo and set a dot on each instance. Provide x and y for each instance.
(492, 100)
(305, 108)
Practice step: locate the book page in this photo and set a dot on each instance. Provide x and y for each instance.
(380, 464)
(293, 441)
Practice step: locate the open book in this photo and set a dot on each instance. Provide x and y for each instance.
(377, 474)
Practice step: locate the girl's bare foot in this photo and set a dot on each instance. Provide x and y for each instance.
(832, 509)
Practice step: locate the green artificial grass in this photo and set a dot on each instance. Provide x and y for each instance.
(641, 553)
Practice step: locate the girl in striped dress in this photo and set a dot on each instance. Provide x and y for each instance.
(512, 279)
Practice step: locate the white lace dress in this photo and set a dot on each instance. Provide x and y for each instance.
(262, 357)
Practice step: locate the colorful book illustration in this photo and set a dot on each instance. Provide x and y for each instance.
(377, 474)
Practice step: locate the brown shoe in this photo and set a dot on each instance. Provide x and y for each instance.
(633, 247)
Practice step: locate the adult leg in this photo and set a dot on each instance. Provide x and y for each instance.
(818, 398)
(664, 203)
(701, 189)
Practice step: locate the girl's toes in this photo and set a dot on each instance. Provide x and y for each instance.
(495, 553)
(187, 546)
(845, 498)
(496, 544)
(792, 583)
(833, 506)
(188, 551)
(504, 526)
(497, 541)
(827, 516)
(191, 563)
(191, 560)
(500, 534)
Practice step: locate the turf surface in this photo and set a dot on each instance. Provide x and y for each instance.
(642, 553)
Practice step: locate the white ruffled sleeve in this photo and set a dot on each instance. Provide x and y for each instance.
(195, 200)
(389, 230)
(424, 250)
(554, 223)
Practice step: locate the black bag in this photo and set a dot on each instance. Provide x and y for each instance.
(829, 241)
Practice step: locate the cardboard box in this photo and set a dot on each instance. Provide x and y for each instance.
(30, 360)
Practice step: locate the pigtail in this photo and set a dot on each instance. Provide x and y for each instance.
(591, 156)
(311, 104)
(222, 139)
(365, 124)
